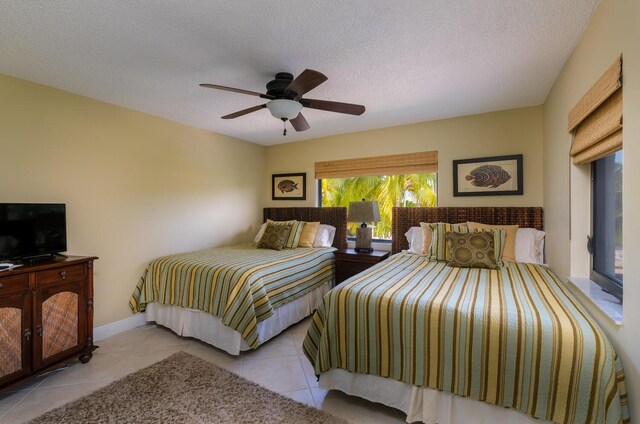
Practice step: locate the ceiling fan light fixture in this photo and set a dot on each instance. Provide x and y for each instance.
(284, 108)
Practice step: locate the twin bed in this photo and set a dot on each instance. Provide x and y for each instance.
(238, 297)
(443, 344)
(459, 345)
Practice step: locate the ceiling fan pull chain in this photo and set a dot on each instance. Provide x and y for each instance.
(284, 123)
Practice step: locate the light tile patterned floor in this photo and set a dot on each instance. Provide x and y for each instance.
(278, 365)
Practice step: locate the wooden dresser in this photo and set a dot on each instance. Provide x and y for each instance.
(46, 316)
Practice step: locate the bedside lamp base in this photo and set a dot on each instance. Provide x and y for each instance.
(363, 240)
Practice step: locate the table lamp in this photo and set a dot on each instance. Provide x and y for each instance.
(364, 212)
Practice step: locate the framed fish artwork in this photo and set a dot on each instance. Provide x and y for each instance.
(289, 186)
(492, 176)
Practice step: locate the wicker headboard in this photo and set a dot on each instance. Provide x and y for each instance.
(331, 216)
(405, 218)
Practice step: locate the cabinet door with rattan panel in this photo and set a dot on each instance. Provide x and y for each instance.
(15, 336)
(60, 330)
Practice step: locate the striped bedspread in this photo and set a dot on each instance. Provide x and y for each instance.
(512, 337)
(240, 284)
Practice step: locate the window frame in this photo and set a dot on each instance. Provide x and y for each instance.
(606, 283)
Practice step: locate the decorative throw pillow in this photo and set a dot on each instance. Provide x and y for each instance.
(308, 234)
(439, 247)
(471, 250)
(258, 236)
(294, 234)
(427, 238)
(427, 235)
(509, 252)
(438, 242)
(275, 235)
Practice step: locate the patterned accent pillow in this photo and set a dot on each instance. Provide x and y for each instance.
(471, 250)
(275, 235)
(294, 236)
(509, 251)
(439, 247)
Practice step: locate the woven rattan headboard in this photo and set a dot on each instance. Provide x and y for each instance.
(331, 216)
(405, 218)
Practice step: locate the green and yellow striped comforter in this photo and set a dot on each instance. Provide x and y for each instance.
(512, 337)
(240, 284)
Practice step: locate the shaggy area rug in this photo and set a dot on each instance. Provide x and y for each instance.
(185, 389)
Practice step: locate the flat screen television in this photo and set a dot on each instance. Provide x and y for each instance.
(32, 231)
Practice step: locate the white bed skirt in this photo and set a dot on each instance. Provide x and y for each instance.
(420, 403)
(210, 329)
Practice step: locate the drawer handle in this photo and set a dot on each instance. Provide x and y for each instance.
(27, 334)
(39, 330)
(63, 274)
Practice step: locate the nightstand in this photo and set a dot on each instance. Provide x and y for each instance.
(349, 262)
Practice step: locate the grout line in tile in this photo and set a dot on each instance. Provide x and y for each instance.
(17, 403)
(291, 355)
(71, 384)
(74, 383)
(304, 374)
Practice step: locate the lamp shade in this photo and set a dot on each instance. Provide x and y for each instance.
(283, 108)
(364, 212)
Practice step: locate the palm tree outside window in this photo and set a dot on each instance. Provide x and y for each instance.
(414, 190)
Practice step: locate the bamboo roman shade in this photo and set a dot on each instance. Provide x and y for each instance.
(408, 163)
(596, 119)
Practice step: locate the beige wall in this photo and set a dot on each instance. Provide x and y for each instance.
(490, 134)
(136, 186)
(613, 30)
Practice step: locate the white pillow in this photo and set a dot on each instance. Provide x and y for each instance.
(530, 245)
(415, 239)
(258, 236)
(324, 236)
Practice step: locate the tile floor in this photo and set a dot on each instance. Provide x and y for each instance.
(278, 365)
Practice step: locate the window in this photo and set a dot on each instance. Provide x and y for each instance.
(405, 179)
(605, 243)
(388, 191)
(596, 124)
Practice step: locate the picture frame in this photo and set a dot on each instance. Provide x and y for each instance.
(488, 176)
(292, 186)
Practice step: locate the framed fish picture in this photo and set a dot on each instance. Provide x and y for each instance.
(492, 176)
(289, 186)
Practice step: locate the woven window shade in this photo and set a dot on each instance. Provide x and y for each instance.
(597, 118)
(606, 85)
(409, 163)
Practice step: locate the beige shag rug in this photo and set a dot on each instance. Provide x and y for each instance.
(185, 389)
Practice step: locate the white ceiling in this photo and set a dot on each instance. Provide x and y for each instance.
(406, 61)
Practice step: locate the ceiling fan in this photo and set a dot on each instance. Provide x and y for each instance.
(285, 99)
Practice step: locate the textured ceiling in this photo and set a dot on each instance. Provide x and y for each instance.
(406, 61)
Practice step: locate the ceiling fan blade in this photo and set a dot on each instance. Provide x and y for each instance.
(299, 123)
(349, 108)
(305, 82)
(244, 112)
(237, 90)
